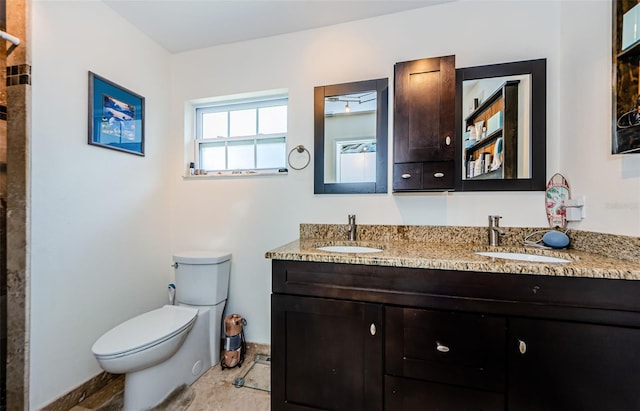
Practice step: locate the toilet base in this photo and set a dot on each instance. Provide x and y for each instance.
(216, 331)
(148, 387)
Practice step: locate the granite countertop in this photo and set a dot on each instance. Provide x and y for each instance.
(591, 255)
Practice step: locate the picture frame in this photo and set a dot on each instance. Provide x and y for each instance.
(116, 116)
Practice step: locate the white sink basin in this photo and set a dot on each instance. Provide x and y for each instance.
(523, 257)
(349, 249)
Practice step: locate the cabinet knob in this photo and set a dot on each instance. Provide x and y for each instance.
(372, 329)
(406, 175)
(522, 346)
(438, 175)
(441, 347)
(447, 140)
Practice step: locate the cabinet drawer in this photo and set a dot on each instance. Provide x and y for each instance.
(446, 347)
(407, 176)
(402, 394)
(438, 175)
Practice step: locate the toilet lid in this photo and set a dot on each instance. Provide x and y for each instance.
(147, 329)
(201, 257)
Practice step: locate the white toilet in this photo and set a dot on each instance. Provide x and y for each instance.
(173, 345)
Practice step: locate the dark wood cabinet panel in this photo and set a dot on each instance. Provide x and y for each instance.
(424, 112)
(403, 394)
(438, 175)
(563, 366)
(446, 347)
(327, 354)
(407, 176)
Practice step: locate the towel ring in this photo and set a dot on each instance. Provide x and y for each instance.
(299, 149)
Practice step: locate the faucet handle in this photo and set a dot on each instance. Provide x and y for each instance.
(494, 219)
(352, 218)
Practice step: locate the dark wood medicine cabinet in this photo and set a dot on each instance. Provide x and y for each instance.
(423, 125)
(436, 104)
(509, 122)
(435, 108)
(350, 137)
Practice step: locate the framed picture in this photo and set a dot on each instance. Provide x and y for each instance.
(116, 116)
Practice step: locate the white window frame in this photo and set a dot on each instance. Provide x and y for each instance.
(233, 105)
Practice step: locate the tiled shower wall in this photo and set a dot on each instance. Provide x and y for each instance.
(15, 106)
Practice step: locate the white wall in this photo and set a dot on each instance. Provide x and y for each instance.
(252, 215)
(611, 183)
(104, 223)
(100, 234)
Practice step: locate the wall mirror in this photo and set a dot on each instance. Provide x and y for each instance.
(350, 137)
(501, 127)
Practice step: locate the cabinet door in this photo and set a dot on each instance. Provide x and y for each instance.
(424, 110)
(326, 354)
(563, 366)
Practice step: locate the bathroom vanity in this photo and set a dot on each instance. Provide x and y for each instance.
(424, 325)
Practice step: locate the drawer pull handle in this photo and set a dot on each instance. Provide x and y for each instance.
(406, 175)
(438, 175)
(522, 346)
(447, 140)
(372, 329)
(441, 347)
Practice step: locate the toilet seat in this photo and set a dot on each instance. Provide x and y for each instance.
(144, 331)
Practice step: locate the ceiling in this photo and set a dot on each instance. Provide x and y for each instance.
(182, 25)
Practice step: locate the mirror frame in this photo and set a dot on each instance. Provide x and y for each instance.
(382, 142)
(538, 132)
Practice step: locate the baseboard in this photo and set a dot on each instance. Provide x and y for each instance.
(81, 392)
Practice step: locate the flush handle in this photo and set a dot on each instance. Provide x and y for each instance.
(174, 265)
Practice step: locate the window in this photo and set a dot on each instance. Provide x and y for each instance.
(242, 136)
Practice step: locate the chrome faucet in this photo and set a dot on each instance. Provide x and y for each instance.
(352, 227)
(495, 230)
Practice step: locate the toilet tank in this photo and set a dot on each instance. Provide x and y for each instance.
(202, 277)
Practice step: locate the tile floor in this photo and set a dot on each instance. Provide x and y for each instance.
(215, 390)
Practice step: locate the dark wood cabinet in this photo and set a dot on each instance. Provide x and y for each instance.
(424, 123)
(356, 337)
(327, 354)
(559, 365)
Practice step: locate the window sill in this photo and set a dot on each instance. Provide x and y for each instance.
(246, 173)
